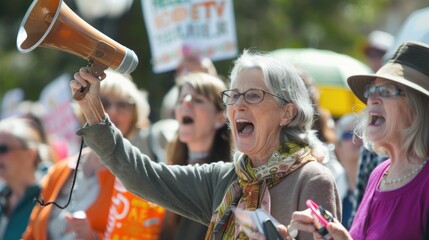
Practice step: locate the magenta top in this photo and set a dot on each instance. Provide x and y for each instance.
(396, 214)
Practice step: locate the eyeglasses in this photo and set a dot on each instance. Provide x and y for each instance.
(251, 96)
(385, 90)
(4, 149)
(119, 105)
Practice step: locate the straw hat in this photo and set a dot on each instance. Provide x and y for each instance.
(408, 66)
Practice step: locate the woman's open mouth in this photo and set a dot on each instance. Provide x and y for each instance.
(187, 120)
(244, 127)
(376, 120)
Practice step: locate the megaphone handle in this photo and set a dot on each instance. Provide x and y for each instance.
(97, 70)
(80, 94)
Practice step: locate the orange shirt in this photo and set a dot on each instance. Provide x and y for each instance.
(131, 217)
(51, 186)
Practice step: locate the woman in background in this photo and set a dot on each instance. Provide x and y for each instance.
(130, 217)
(22, 149)
(202, 137)
(97, 208)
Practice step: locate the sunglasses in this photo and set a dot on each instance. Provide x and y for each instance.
(348, 135)
(385, 90)
(4, 149)
(121, 106)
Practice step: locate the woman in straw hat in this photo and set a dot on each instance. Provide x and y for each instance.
(395, 122)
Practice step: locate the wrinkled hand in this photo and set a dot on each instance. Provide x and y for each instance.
(82, 79)
(79, 227)
(90, 104)
(338, 231)
(303, 221)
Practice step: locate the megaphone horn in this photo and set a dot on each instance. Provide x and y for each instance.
(52, 24)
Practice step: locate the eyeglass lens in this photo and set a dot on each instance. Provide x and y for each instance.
(385, 90)
(251, 96)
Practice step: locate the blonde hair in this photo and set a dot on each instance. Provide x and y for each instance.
(123, 86)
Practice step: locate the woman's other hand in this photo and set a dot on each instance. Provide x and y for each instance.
(303, 221)
(338, 231)
(79, 226)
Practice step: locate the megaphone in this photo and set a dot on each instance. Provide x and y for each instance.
(52, 24)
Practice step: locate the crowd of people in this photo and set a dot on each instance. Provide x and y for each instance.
(257, 139)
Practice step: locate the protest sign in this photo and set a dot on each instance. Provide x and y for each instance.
(60, 120)
(177, 28)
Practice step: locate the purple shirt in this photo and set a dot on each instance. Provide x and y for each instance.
(396, 214)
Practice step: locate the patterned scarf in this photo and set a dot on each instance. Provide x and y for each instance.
(250, 190)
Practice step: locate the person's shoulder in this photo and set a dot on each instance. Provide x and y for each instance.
(59, 168)
(314, 167)
(315, 170)
(381, 167)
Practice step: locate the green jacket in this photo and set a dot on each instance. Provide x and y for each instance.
(18, 220)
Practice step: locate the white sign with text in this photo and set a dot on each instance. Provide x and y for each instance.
(204, 28)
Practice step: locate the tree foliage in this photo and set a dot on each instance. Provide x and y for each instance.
(339, 25)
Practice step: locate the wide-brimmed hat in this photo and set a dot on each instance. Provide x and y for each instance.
(408, 66)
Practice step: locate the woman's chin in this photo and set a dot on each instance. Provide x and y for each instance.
(244, 147)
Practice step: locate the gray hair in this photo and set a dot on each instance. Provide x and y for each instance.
(30, 135)
(284, 81)
(416, 136)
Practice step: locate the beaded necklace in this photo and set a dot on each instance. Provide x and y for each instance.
(387, 181)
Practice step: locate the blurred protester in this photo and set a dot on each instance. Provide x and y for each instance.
(377, 45)
(86, 216)
(130, 217)
(395, 121)
(163, 131)
(325, 126)
(348, 150)
(21, 150)
(35, 111)
(90, 214)
(270, 116)
(202, 137)
(323, 121)
(190, 63)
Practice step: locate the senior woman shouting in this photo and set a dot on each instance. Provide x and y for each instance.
(395, 122)
(270, 116)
